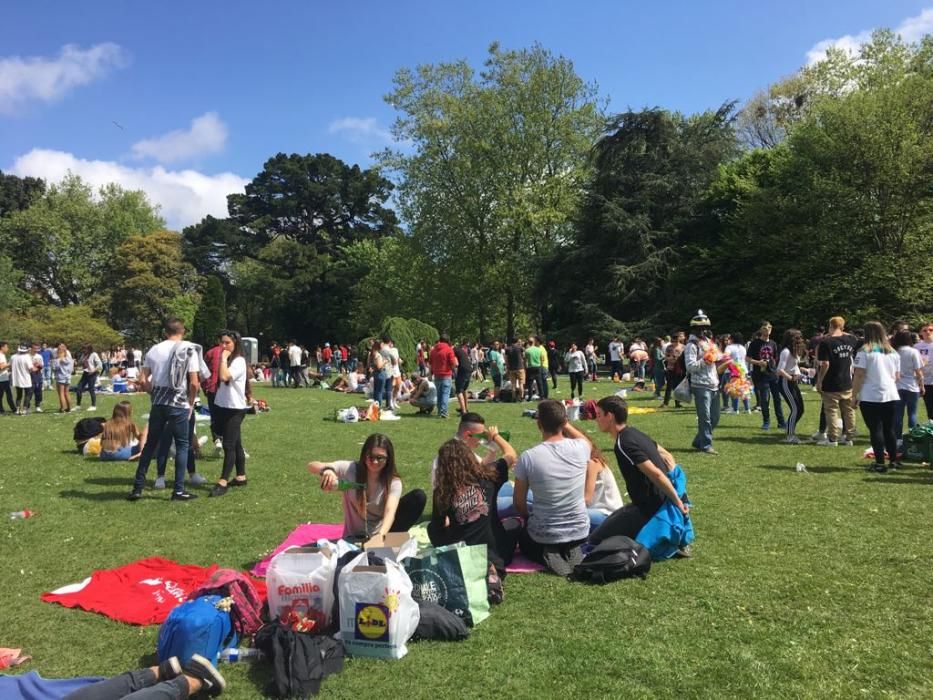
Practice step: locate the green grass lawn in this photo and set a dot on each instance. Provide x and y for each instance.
(801, 585)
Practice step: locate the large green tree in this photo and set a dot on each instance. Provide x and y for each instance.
(18, 193)
(491, 177)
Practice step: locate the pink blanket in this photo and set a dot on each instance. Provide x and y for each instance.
(311, 532)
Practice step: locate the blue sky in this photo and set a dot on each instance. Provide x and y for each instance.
(203, 93)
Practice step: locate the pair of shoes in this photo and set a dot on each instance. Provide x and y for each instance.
(791, 440)
(825, 442)
(169, 669)
(219, 489)
(879, 468)
(196, 479)
(212, 682)
(135, 495)
(159, 483)
(183, 496)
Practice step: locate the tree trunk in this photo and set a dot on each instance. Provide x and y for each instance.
(509, 315)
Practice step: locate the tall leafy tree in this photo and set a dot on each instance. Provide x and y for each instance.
(18, 193)
(211, 317)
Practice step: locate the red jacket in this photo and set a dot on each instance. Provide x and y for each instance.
(212, 359)
(442, 360)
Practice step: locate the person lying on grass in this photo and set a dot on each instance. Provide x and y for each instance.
(464, 504)
(121, 439)
(644, 465)
(373, 503)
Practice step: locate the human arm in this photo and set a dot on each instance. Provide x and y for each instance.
(329, 472)
(508, 452)
(223, 371)
(520, 497)
(663, 484)
(194, 386)
(593, 468)
(668, 458)
(782, 364)
(143, 436)
(858, 378)
(391, 506)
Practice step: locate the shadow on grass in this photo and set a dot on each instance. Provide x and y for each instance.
(812, 470)
(899, 477)
(110, 480)
(94, 495)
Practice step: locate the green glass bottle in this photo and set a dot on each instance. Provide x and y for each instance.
(344, 485)
(506, 435)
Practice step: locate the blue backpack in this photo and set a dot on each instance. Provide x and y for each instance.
(196, 627)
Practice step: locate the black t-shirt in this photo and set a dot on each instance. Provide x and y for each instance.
(767, 350)
(632, 448)
(514, 358)
(474, 516)
(838, 351)
(465, 364)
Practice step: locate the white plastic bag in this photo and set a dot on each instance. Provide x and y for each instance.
(682, 392)
(348, 415)
(377, 612)
(301, 579)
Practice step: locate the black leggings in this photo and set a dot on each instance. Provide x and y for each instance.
(627, 520)
(791, 393)
(6, 391)
(410, 508)
(229, 422)
(87, 382)
(879, 418)
(23, 398)
(671, 380)
(928, 400)
(576, 384)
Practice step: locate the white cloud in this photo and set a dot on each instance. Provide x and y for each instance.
(185, 196)
(47, 79)
(362, 130)
(911, 30)
(207, 134)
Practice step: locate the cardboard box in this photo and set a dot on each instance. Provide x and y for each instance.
(394, 546)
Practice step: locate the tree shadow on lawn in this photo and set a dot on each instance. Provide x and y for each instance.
(95, 495)
(812, 470)
(925, 477)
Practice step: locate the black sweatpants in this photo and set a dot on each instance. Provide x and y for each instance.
(627, 520)
(879, 418)
(410, 508)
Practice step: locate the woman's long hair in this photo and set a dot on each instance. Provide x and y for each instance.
(793, 341)
(457, 468)
(876, 339)
(237, 345)
(120, 430)
(388, 473)
(902, 339)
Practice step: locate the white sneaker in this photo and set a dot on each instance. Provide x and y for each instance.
(817, 436)
(826, 443)
(848, 443)
(197, 479)
(218, 446)
(159, 483)
(245, 454)
(202, 441)
(38, 409)
(727, 411)
(92, 408)
(792, 440)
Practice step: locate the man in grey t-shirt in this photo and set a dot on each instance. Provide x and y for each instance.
(555, 470)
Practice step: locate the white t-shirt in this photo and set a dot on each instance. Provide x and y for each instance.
(576, 361)
(615, 350)
(788, 363)
(159, 363)
(926, 355)
(737, 353)
(4, 373)
(232, 394)
(390, 355)
(294, 356)
(606, 496)
(132, 373)
(21, 370)
(353, 523)
(910, 363)
(881, 368)
(556, 473)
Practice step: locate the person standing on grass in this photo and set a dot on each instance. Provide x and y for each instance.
(443, 363)
(762, 355)
(464, 372)
(553, 362)
(209, 385)
(673, 374)
(21, 371)
(925, 348)
(910, 384)
(5, 390)
(91, 367)
(171, 373)
(36, 374)
(874, 391)
(576, 368)
(496, 367)
(556, 471)
(533, 361)
(704, 364)
(591, 359)
(616, 356)
(657, 366)
(63, 366)
(834, 381)
(46, 353)
(644, 466)
(231, 405)
(793, 347)
(515, 362)
(294, 363)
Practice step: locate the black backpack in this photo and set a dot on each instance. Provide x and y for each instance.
(86, 428)
(612, 559)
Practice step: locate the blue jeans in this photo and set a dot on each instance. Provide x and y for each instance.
(909, 400)
(162, 418)
(443, 394)
(504, 501)
(768, 387)
(707, 406)
(596, 518)
(381, 387)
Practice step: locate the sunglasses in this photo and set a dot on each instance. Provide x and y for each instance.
(378, 459)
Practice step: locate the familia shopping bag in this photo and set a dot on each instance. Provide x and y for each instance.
(377, 612)
(300, 580)
(454, 577)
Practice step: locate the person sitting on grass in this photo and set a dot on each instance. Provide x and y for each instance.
(374, 506)
(464, 504)
(644, 465)
(601, 492)
(167, 680)
(556, 470)
(121, 439)
(424, 396)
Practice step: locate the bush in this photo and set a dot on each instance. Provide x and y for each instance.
(72, 325)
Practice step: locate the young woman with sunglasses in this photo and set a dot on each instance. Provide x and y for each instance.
(373, 503)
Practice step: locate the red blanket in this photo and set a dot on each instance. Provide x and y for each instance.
(141, 593)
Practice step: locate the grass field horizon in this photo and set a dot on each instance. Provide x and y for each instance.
(801, 585)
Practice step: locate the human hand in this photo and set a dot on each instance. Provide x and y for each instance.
(328, 480)
(684, 508)
(492, 431)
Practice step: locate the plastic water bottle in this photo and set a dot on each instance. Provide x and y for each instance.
(801, 468)
(22, 514)
(232, 655)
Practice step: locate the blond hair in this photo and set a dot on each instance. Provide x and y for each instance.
(837, 322)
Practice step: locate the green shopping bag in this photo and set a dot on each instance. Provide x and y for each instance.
(453, 577)
(918, 444)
